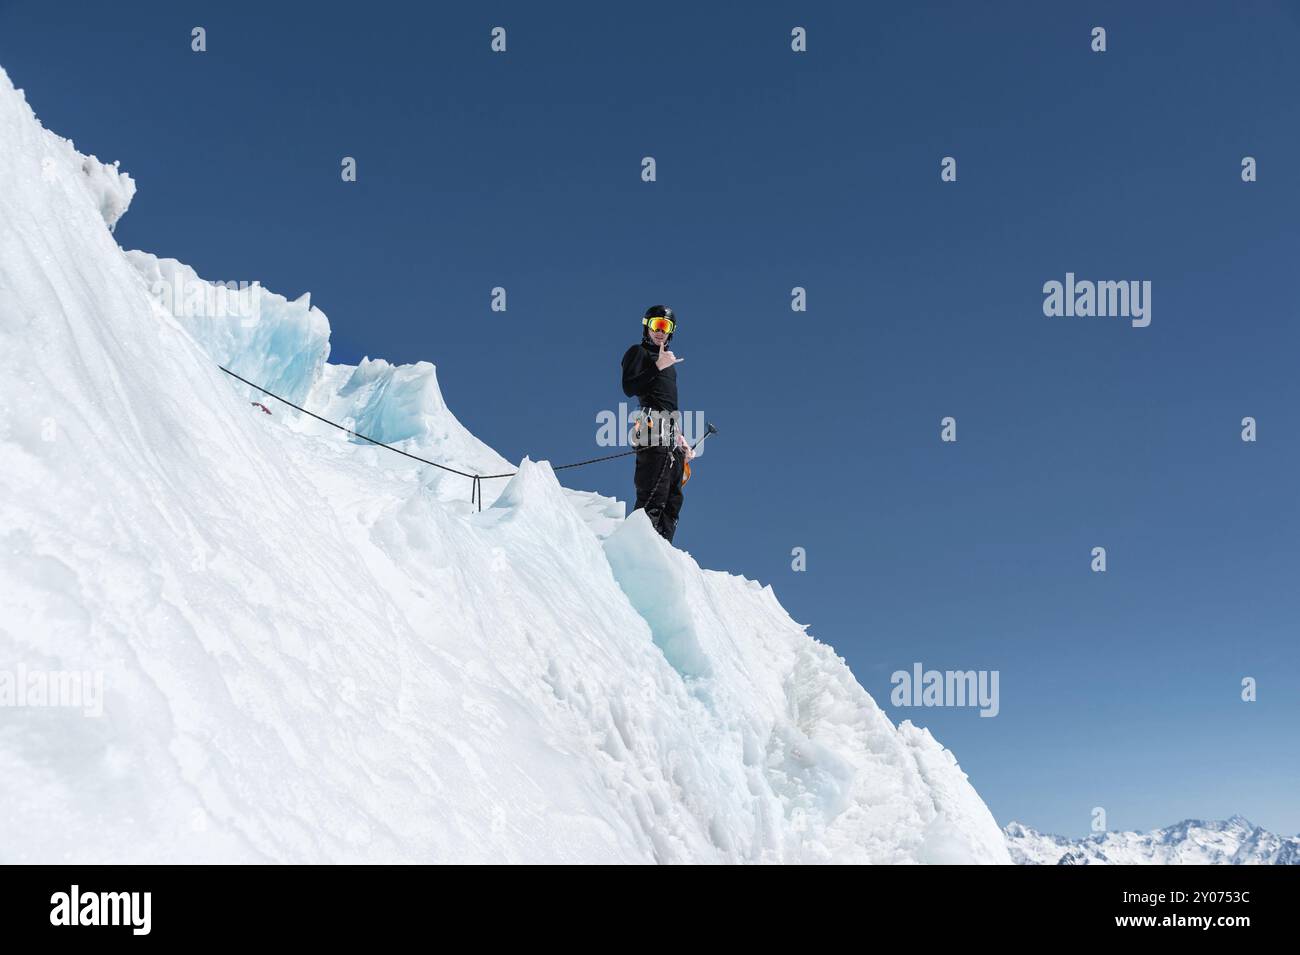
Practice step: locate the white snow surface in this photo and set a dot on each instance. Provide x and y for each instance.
(1234, 841)
(314, 650)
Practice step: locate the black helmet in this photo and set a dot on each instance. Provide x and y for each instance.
(658, 311)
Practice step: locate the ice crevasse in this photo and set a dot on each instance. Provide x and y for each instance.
(312, 650)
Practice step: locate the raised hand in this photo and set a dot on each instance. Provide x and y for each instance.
(666, 359)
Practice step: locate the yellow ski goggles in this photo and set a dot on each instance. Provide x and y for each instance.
(659, 324)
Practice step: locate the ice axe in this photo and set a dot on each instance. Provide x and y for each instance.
(686, 467)
(708, 430)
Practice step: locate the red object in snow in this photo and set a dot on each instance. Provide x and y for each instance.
(258, 404)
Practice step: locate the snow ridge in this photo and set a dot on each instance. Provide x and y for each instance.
(313, 650)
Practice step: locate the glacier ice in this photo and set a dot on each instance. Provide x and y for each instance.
(314, 650)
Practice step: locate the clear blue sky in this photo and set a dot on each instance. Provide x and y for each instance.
(925, 299)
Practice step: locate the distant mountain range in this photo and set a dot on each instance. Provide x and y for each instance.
(1234, 841)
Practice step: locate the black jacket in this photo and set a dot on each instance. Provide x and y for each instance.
(641, 379)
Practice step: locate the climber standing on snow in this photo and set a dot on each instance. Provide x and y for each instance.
(650, 375)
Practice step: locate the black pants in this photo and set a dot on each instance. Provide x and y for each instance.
(659, 487)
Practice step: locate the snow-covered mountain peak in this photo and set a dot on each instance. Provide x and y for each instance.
(1232, 841)
(310, 649)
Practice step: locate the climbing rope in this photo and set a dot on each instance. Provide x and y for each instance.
(476, 488)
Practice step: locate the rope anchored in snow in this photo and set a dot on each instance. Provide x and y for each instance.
(335, 424)
(476, 488)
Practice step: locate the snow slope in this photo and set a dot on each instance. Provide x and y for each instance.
(314, 650)
(284, 346)
(1234, 841)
